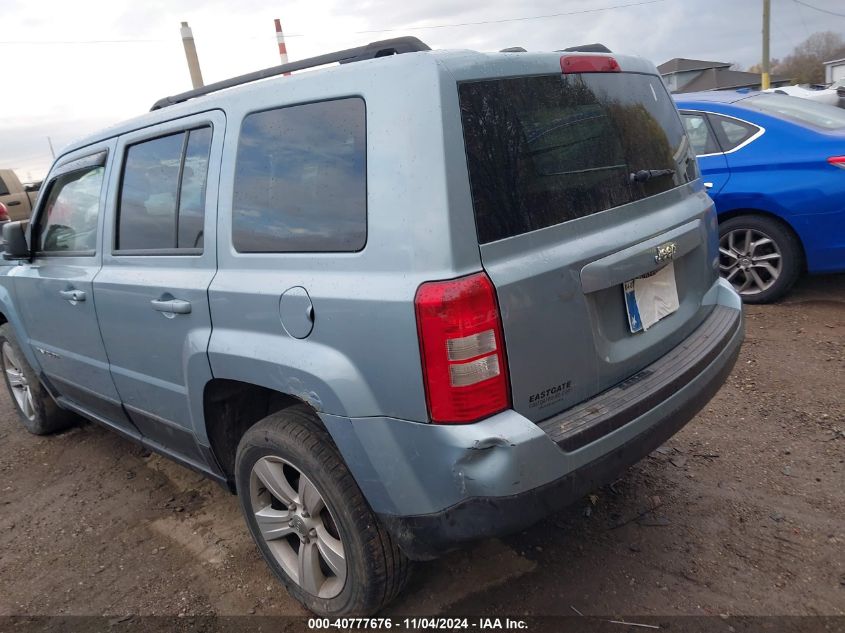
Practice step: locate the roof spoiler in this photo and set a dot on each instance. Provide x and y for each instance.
(383, 48)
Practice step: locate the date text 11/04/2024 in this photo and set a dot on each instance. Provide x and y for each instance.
(443, 624)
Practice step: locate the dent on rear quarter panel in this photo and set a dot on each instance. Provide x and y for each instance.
(406, 468)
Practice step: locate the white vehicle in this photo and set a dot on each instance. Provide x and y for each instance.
(827, 95)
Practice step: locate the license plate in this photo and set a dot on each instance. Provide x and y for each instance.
(650, 298)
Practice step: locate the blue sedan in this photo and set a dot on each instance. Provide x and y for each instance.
(775, 167)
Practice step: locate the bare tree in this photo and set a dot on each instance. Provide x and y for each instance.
(758, 68)
(805, 65)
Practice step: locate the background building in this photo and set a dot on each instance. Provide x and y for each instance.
(834, 70)
(692, 75)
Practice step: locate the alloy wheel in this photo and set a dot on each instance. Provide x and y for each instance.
(21, 390)
(750, 260)
(297, 526)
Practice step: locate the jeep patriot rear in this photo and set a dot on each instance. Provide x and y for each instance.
(396, 305)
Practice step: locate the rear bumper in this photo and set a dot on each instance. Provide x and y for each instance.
(437, 487)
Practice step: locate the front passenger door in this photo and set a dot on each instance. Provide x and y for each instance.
(55, 290)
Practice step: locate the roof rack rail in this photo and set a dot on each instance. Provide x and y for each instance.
(587, 48)
(383, 48)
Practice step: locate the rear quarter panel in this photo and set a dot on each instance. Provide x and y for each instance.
(362, 357)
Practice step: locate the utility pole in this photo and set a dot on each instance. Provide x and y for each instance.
(764, 78)
(191, 55)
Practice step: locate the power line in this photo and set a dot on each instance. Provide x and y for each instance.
(410, 28)
(533, 17)
(82, 41)
(810, 6)
(803, 21)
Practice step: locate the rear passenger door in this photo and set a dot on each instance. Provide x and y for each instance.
(708, 152)
(159, 260)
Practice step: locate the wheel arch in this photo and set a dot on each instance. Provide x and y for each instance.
(230, 408)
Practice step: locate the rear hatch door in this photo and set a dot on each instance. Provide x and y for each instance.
(581, 182)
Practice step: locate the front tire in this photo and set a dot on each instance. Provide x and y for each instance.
(759, 256)
(310, 521)
(37, 411)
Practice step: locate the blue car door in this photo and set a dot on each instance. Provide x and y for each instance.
(711, 160)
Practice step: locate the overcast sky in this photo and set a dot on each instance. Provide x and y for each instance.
(63, 79)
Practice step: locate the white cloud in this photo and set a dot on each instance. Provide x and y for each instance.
(66, 90)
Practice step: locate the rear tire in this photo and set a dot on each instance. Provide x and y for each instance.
(36, 409)
(760, 256)
(317, 533)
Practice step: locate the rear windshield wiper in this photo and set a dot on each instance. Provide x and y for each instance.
(647, 174)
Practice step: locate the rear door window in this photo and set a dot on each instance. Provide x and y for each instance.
(700, 134)
(548, 149)
(162, 194)
(300, 179)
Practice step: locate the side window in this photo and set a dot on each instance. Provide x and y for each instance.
(192, 198)
(733, 132)
(700, 135)
(4, 190)
(162, 193)
(300, 179)
(68, 222)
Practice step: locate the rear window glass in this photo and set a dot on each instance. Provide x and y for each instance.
(820, 115)
(735, 132)
(548, 149)
(300, 179)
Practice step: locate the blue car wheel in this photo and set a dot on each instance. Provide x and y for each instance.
(759, 256)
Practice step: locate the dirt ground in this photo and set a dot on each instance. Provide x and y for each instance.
(741, 513)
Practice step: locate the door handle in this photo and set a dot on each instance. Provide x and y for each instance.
(72, 295)
(174, 306)
(13, 203)
(708, 185)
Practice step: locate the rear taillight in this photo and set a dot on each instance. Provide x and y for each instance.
(4, 212)
(588, 64)
(462, 349)
(837, 161)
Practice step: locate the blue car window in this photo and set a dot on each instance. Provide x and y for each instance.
(802, 111)
(733, 132)
(700, 135)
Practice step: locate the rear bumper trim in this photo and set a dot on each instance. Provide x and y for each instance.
(612, 409)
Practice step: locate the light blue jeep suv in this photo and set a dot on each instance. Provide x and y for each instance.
(398, 304)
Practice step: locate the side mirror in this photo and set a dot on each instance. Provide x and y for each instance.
(14, 235)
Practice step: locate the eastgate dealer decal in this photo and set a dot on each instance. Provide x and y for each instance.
(549, 396)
